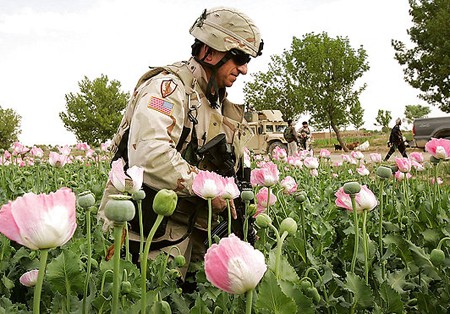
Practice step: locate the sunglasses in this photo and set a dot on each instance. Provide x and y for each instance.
(239, 57)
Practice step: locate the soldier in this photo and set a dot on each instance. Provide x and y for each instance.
(180, 111)
(396, 141)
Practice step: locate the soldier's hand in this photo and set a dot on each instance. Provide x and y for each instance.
(219, 205)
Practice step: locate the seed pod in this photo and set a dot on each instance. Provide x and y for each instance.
(437, 257)
(352, 187)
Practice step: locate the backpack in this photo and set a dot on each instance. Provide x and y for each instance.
(289, 134)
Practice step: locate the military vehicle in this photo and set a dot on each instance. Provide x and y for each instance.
(267, 127)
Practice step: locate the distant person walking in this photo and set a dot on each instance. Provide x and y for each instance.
(291, 136)
(396, 141)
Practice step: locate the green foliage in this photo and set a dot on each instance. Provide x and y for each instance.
(362, 294)
(428, 62)
(94, 113)
(317, 75)
(271, 298)
(383, 119)
(415, 111)
(356, 117)
(9, 127)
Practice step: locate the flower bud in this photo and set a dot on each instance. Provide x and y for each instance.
(300, 197)
(86, 199)
(251, 209)
(165, 202)
(180, 260)
(352, 188)
(139, 195)
(247, 195)
(289, 225)
(119, 208)
(384, 172)
(263, 220)
(437, 257)
(125, 287)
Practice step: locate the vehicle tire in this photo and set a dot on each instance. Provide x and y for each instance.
(275, 144)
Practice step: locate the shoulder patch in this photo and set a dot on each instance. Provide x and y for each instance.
(160, 105)
(168, 87)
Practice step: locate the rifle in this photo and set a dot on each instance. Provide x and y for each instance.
(218, 156)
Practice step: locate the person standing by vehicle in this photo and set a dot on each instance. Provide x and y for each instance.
(179, 112)
(305, 135)
(291, 137)
(396, 141)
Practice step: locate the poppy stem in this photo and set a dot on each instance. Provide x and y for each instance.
(40, 280)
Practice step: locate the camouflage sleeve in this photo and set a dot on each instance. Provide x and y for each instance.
(155, 129)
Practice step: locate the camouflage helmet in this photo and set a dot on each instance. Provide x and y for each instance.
(224, 29)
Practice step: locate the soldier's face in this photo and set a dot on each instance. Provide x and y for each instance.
(227, 74)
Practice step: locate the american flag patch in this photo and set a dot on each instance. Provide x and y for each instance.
(161, 105)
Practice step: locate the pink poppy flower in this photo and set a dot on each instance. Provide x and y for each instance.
(311, 162)
(289, 185)
(348, 159)
(365, 199)
(234, 266)
(324, 153)
(105, 146)
(208, 185)
(41, 221)
(29, 279)
(262, 197)
(82, 146)
(357, 155)
(37, 152)
(294, 161)
(418, 166)
(19, 148)
(363, 171)
(247, 159)
(313, 172)
(6, 155)
(57, 160)
(400, 176)
(266, 175)
(439, 148)
(123, 183)
(64, 150)
(89, 153)
(375, 157)
(439, 181)
(231, 190)
(416, 156)
(279, 153)
(403, 164)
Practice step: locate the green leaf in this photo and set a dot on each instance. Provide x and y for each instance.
(200, 307)
(293, 291)
(64, 273)
(287, 272)
(9, 284)
(397, 280)
(403, 250)
(361, 292)
(271, 298)
(392, 300)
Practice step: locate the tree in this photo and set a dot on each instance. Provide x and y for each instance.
(383, 119)
(94, 114)
(316, 75)
(356, 117)
(428, 63)
(415, 111)
(9, 127)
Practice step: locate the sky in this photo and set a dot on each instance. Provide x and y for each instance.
(48, 46)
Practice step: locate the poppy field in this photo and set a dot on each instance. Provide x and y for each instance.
(357, 235)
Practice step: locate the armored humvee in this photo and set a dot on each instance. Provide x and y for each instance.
(267, 127)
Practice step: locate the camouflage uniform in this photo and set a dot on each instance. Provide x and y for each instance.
(165, 102)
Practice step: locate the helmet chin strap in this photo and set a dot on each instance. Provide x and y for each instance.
(212, 83)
